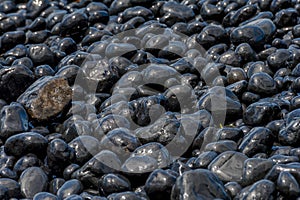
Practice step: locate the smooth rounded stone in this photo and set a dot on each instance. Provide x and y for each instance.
(156, 151)
(38, 24)
(11, 39)
(11, 89)
(221, 146)
(163, 131)
(233, 188)
(257, 67)
(73, 24)
(85, 147)
(55, 184)
(136, 11)
(211, 35)
(110, 122)
(74, 197)
(221, 102)
(30, 160)
(286, 17)
(102, 163)
(14, 120)
(282, 159)
(99, 76)
(159, 184)
(120, 141)
(46, 97)
(251, 34)
(263, 189)
(37, 36)
(119, 49)
(8, 173)
(113, 183)
(59, 154)
(230, 58)
(158, 74)
(290, 134)
(35, 7)
(242, 14)
(199, 183)
(45, 196)
(68, 171)
(33, 180)
(69, 72)
(23, 143)
(293, 168)
(238, 88)
(255, 169)
(235, 75)
(261, 113)
(43, 70)
(246, 52)
(119, 6)
(67, 45)
(288, 185)
(69, 187)
(7, 6)
(204, 159)
(262, 83)
(266, 25)
(140, 164)
(230, 133)
(228, 166)
(41, 54)
(258, 140)
(279, 59)
(23, 61)
(12, 188)
(125, 195)
(175, 8)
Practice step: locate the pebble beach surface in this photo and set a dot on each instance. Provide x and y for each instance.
(149, 99)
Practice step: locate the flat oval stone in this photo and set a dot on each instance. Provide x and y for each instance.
(24, 143)
(252, 35)
(68, 188)
(13, 189)
(33, 180)
(46, 97)
(45, 196)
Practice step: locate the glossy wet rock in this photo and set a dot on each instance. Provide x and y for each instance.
(113, 183)
(33, 180)
(11, 187)
(73, 23)
(288, 185)
(69, 188)
(255, 169)
(85, 147)
(258, 140)
(55, 91)
(14, 119)
(159, 184)
(23, 143)
(45, 195)
(223, 167)
(207, 186)
(263, 189)
(11, 89)
(260, 113)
